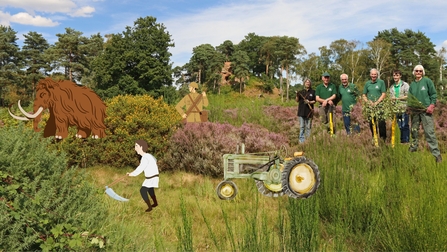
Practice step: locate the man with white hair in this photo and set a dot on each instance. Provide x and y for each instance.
(348, 93)
(423, 89)
(373, 94)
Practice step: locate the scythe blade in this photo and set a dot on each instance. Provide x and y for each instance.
(113, 195)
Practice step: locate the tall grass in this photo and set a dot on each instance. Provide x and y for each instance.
(370, 199)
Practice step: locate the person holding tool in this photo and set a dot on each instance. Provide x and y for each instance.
(374, 93)
(148, 165)
(399, 93)
(326, 93)
(306, 100)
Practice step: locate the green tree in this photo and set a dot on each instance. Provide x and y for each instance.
(92, 49)
(239, 64)
(37, 65)
(136, 61)
(252, 45)
(309, 67)
(226, 48)
(69, 53)
(379, 53)
(409, 48)
(10, 65)
(268, 54)
(201, 58)
(288, 50)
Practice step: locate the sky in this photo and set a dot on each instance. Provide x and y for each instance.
(192, 23)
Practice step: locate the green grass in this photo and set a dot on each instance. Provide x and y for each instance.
(372, 199)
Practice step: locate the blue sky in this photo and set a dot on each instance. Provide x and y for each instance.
(191, 23)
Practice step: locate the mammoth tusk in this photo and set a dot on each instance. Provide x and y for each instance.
(30, 115)
(17, 117)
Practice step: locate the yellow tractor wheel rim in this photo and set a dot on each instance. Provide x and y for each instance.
(227, 191)
(302, 179)
(274, 187)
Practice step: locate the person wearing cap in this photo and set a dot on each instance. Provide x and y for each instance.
(349, 94)
(325, 94)
(423, 89)
(373, 94)
(399, 93)
(191, 106)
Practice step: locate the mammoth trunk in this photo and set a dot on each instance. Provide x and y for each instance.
(36, 123)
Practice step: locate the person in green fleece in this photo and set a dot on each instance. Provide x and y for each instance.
(349, 94)
(424, 90)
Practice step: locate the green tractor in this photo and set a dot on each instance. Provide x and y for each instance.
(275, 176)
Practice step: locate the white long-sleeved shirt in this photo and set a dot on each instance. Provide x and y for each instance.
(148, 164)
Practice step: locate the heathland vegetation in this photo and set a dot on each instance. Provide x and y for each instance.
(370, 198)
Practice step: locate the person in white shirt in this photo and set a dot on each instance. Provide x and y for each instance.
(148, 165)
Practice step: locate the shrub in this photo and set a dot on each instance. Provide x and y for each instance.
(198, 147)
(45, 205)
(128, 118)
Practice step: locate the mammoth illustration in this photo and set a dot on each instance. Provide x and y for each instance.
(69, 105)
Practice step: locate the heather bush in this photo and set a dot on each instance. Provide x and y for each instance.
(199, 147)
(45, 205)
(128, 118)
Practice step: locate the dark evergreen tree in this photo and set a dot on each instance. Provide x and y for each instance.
(10, 78)
(409, 49)
(136, 61)
(36, 63)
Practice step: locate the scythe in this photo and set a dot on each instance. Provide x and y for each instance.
(112, 193)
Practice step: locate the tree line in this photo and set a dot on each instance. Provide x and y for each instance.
(137, 61)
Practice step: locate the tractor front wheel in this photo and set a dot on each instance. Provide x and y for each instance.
(300, 178)
(226, 190)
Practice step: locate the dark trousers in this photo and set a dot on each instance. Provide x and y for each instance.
(402, 122)
(347, 123)
(382, 128)
(144, 191)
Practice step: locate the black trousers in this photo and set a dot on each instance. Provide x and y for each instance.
(382, 128)
(144, 191)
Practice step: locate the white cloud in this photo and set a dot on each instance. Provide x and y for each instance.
(4, 18)
(316, 23)
(26, 19)
(32, 7)
(83, 12)
(444, 44)
(45, 6)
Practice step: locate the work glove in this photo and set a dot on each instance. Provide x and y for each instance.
(430, 109)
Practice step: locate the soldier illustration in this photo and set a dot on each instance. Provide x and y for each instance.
(193, 103)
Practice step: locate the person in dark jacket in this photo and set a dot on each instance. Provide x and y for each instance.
(306, 100)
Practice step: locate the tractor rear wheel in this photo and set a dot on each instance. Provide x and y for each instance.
(300, 178)
(226, 190)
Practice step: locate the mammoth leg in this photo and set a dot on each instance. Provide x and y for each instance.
(98, 133)
(83, 133)
(62, 129)
(50, 127)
